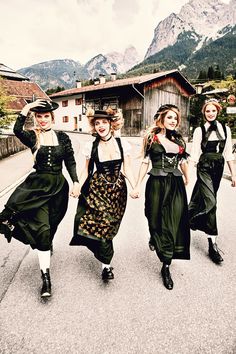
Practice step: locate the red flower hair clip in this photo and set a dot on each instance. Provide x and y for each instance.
(155, 138)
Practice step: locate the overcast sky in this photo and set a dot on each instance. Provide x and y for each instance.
(33, 31)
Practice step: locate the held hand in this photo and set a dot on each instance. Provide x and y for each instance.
(75, 190)
(135, 193)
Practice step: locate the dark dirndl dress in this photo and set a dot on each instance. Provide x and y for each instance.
(37, 206)
(202, 206)
(166, 206)
(101, 206)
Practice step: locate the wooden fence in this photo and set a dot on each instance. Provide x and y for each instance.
(9, 145)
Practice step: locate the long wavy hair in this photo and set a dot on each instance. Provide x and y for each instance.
(158, 126)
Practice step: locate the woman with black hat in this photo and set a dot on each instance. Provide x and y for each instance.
(166, 206)
(212, 145)
(103, 196)
(37, 206)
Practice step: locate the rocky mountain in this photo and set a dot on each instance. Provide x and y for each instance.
(206, 18)
(64, 73)
(201, 35)
(53, 73)
(112, 62)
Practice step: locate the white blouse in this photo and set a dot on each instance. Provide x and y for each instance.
(87, 149)
(196, 150)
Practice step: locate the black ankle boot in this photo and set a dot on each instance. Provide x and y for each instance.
(166, 277)
(214, 252)
(46, 288)
(107, 273)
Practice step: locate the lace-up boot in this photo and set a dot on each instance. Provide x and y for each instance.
(214, 253)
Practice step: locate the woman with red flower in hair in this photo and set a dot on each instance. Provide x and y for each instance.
(166, 205)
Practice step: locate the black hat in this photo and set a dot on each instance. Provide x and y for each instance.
(48, 107)
(164, 107)
(102, 114)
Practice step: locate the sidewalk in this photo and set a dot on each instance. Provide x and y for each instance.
(15, 167)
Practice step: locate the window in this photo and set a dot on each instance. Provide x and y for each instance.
(78, 101)
(65, 119)
(65, 103)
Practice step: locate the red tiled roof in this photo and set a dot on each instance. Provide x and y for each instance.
(21, 92)
(121, 82)
(23, 89)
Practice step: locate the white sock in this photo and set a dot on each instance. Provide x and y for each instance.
(213, 238)
(105, 266)
(44, 260)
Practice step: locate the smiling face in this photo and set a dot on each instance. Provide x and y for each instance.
(102, 127)
(44, 120)
(210, 112)
(170, 120)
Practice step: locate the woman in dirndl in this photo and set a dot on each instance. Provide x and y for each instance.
(166, 205)
(37, 206)
(212, 145)
(103, 196)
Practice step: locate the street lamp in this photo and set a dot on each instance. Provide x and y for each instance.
(199, 88)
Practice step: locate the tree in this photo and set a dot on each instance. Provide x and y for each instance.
(50, 91)
(210, 73)
(202, 75)
(217, 73)
(6, 115)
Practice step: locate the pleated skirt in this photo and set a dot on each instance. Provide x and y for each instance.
(166, 210)
(202, 206)
(36, 208)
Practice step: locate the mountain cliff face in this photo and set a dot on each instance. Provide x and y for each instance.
(203, 34)
(204, 18)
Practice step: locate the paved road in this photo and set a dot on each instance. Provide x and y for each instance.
(132, 314)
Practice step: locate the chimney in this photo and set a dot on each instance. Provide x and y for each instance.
(78, 84)
(102, 79)
(113, 76)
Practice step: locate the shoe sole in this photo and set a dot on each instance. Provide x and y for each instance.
(45, 295)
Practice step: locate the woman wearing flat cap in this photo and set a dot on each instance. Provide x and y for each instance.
(103, 196)
(166, 206)
(37, 206)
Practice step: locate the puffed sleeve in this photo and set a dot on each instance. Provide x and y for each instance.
(69, 158)
(87, 149)
(27, 137)
(228, 154)
(196, 145)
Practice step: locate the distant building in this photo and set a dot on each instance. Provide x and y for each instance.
(138, 97)
(19, 88)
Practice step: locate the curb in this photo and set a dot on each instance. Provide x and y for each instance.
(13, 185)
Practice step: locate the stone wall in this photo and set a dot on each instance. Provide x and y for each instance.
(9, 145)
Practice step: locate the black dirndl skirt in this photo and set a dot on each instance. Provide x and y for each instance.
(202, 206)
(36, 208)
(166, 209)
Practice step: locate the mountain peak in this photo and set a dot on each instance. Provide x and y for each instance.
(206, 18)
